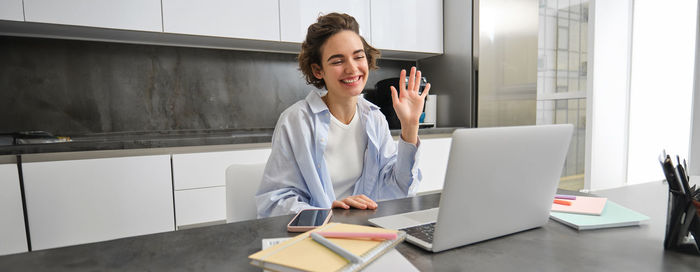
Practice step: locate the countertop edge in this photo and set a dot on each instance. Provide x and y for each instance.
(126, 145)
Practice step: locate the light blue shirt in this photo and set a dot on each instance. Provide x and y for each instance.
(296, 176)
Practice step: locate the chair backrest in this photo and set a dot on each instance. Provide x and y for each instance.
(242, 181)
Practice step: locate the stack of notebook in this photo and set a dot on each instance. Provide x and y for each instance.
(303, 253)
(585, 212)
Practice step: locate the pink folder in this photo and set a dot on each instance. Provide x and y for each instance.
(583, 205)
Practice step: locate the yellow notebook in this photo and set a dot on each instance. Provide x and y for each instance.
(302, 253)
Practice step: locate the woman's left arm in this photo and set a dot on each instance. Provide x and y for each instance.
(408, 104)
(397, 161)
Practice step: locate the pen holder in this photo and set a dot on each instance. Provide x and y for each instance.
(682, 218)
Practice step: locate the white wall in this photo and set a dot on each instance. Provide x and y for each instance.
(606, 131)
(641, 79)
(663, 56)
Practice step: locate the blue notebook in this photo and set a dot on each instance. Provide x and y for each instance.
(614, 215)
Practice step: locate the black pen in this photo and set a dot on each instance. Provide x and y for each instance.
(687, 177)
(683, 178)
(670, 173)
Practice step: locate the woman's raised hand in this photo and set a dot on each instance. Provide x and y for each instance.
(408, 104)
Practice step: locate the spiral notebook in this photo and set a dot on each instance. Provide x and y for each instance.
(301, 253)
(392, 260)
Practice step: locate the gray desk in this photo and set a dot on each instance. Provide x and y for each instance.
(553, 247)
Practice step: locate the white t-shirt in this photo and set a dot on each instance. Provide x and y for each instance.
(344, 154)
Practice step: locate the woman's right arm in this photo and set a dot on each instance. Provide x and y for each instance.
(282, 190)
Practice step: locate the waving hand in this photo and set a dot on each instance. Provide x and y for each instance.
(408, 104)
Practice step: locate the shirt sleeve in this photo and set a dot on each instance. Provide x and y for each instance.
(399, 173)
(282, 190)
(408, 158)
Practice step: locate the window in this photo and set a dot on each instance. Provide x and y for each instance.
(562, 77)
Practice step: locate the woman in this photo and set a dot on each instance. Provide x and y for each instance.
(334, 149)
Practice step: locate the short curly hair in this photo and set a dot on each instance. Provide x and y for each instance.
(317, 35)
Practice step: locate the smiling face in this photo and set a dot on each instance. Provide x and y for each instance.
(344, 67)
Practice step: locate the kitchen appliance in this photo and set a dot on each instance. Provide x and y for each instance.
(430, 110)
(381, 96)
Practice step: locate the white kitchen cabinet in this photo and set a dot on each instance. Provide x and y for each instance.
(208, 169)
(80, 201)
(203, 205)
(258, 20)
(200, 183)
(11, 10)
(297, 15)
(13, 238)
(407, 25)
(406, 30)
(144, 15)
(433, 163)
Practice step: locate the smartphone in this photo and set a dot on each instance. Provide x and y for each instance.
(309, 219)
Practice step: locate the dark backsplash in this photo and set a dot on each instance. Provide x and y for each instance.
(72, 87)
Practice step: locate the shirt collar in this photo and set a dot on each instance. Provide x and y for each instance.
(317, 105)
(315, 102)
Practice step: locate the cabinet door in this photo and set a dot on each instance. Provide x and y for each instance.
(13, 238)
(208, 169)
(297, 15)
(200, 183)
(257, 20)
(123, 14)
(407, 25)
(433, 163)
(81, 201)
(197, 206)
(11, 10)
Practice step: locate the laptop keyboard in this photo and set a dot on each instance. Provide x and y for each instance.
(423, 232)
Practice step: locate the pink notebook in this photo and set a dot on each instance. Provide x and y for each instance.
(583, 205)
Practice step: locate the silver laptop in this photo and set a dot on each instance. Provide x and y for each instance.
(499, 181)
